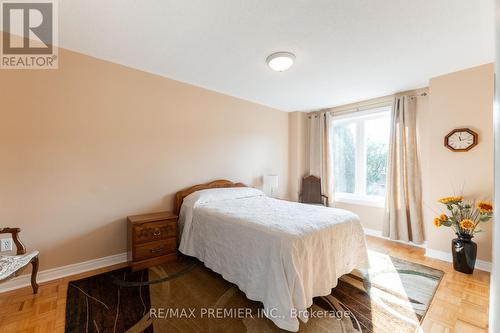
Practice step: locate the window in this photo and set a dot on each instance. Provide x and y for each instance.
(360, 146)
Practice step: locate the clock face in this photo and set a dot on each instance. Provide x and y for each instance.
(461, 140)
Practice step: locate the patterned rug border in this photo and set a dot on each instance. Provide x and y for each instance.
(433, 294)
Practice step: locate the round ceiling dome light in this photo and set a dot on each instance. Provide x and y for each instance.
(280, 61)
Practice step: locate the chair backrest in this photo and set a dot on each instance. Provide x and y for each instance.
(311, 190)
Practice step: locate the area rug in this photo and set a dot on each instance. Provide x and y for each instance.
(185, 296)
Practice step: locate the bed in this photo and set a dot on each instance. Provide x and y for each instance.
(277, 252)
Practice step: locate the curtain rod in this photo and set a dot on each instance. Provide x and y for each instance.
(356, 109)
(420, 95)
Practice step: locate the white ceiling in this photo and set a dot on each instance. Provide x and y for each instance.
(347, 50)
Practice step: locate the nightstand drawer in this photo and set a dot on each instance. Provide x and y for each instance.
(151, 239)
(153, 231)
(155, 249)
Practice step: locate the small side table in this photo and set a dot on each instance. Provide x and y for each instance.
(152, 239)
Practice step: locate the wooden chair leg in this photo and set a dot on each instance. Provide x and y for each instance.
(34, 273)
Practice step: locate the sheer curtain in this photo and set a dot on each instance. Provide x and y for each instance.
(320, 151)
(403, 213)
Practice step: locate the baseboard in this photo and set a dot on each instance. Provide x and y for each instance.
(378, 233)
(446, 256)
(63, 271)
(373, 232)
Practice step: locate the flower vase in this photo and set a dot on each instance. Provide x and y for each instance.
(464, 252)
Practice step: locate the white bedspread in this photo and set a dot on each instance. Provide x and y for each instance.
(277, 252)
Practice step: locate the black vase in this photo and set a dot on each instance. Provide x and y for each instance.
(464, 253)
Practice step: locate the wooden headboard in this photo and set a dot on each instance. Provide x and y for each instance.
(179, 196)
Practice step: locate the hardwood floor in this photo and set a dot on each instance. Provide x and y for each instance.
(460, 304)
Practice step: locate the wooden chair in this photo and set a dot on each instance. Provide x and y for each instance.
(12, 265)
(311, 191)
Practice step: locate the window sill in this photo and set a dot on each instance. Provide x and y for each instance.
(360, 200)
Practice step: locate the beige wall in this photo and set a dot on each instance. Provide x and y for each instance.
(297, 152)
(371, 217)
(84, 146)
(460, 99)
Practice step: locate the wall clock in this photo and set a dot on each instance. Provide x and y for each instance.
(461, 139)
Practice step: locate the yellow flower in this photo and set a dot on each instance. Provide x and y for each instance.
(443, 217)
(437, 222)
(485, 207)
(467, 224)
(448, 200)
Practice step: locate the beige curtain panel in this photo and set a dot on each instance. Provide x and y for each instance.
(320, 152)
(403, 213)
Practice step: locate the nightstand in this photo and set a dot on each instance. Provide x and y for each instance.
(152, 239)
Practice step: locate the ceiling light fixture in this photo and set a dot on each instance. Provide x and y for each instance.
(280, 61)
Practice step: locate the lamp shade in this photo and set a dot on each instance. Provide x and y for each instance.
(271, 181)
(270, 184)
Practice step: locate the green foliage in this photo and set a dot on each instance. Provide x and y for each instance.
(376, 165)
(446, 223)
(346, 162)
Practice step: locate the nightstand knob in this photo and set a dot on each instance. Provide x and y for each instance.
(157, 232)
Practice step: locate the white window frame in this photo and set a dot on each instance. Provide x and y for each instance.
(359, 198)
